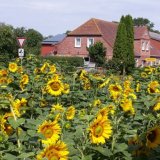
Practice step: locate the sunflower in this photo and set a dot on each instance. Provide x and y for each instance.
(103, 112)
(52, 69)
(24, 80)
(153, 137)
(70, 113)
(55, 87)
(3, 80)
(138, 87)
(3, 72)
(149, 69)
(100, 130)
(5, 127)
(105, 82)
(126, 105)
(66, 88)
(17, 106)
(83, 73)
(127, 84)
(86, 84)
(43, 69)
(115, 90)
(57, 107)
(55, 151)
(96, 102)
(13, 67)
(153, 87)
(50, 130)
(20, 69)
(144, 75)
(156, 107)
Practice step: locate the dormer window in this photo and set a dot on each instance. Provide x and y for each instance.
(90, 42)
(77, 42)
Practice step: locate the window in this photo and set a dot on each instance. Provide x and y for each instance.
(147, 46)
(78, 42)
(143, 46)
(90, 41)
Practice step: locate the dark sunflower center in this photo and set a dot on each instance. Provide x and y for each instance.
(55, 86)
(48, 133)
(98, 131)
(152, 90)
(152, 136)
(115, 88)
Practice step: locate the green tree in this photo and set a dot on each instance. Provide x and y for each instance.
(140, 21)
(33, 41)
(97, 53)
(20, 32)
(7, 44)
(120, 50)
(130, 43)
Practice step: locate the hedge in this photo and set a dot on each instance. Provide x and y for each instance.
(67, 63)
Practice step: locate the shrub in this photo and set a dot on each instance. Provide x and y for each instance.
(67, 63)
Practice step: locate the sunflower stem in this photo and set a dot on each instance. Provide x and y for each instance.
(82, 155)
(17, 134)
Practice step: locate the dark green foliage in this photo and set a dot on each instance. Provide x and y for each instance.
(123, 51)
(140, 21)
(97, 53)
(130, 43)
(8, 41)
(120, 49)
(67, 63)
(33, 41)
(7, 44)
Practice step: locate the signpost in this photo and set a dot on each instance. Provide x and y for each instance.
(21, 41)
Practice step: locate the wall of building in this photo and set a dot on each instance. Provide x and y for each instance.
(47, 49)
(67, 46)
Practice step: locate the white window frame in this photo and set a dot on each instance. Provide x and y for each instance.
(88, 41)
(76, 42)
(147, 46)
(143, 45)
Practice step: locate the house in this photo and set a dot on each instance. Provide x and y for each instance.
(146, 44)
(49, 45)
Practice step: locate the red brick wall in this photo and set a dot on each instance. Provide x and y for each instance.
(142, 53)
(67, 46)
(47, 49)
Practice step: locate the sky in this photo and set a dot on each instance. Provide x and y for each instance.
(51, 17)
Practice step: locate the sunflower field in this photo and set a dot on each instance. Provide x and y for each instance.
(47, 113)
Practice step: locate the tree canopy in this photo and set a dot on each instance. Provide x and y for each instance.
(140, 21)
(123, 54)
(8, 40)
(97, 53)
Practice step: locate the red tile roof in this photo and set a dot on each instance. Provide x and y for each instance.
(140, 32)
(108, 30)
(88, 28)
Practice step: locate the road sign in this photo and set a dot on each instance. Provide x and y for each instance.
(21, 52)
(21, 41)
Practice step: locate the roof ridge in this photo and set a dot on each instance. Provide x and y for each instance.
(79, 27)
(97, 26)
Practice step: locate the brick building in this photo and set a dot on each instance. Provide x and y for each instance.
(146, 44)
